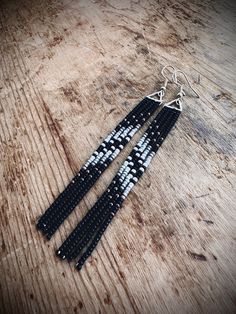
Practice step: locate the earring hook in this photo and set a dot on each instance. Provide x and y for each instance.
(165, 77)
(175, 79)
(160, 94)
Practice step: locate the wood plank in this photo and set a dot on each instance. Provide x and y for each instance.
(70, 70)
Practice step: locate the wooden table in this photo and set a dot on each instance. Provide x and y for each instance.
(70, 70)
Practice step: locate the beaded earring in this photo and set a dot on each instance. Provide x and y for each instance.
(82, 182)
(85, 237)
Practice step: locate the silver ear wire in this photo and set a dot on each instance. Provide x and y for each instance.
(175, 80)
(177, 103)
(161, 92)
(165, 77)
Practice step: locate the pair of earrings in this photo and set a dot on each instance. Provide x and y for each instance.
(84, 238)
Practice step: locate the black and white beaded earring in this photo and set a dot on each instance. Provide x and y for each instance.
(65, 203)
(83, 240)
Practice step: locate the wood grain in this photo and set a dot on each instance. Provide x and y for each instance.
(70, 70)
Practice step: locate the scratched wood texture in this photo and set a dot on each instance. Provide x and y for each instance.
(70, 70)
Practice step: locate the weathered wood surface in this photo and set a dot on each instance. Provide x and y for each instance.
(69, 71)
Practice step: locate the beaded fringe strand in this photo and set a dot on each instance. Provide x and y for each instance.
(85, 237)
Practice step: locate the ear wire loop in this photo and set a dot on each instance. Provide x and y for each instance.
(175, 80)
(165, 77)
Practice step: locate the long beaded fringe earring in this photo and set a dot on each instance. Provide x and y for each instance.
(83, 240)
(65, 203)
